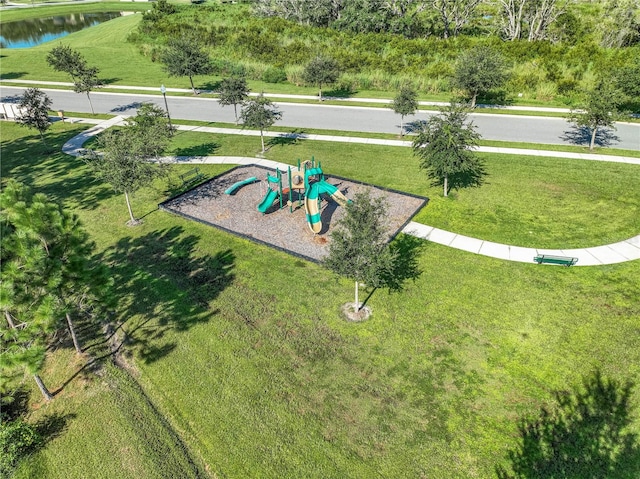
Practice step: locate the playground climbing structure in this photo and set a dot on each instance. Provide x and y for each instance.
(308, 182)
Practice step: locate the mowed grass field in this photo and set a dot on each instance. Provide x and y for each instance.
(252, 372)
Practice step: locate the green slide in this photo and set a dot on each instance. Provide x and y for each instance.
(267, 201)
(232, 189)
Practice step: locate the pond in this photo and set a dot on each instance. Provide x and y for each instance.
(35, 31)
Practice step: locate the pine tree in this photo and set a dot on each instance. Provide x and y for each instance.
(47, 276)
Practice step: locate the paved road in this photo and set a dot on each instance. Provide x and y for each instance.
(347, 118)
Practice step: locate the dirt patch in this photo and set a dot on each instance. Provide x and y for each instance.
(280, 227)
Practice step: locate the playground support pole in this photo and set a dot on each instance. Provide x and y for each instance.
(280, 186)
(290, 193)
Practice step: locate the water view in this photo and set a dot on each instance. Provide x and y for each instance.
(35, 31)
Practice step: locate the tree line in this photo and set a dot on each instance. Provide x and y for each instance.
(530, 20)
(277, 47)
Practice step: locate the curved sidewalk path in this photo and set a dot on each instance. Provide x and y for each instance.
(628, 250)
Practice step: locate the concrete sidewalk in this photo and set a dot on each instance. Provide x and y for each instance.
(627, 250)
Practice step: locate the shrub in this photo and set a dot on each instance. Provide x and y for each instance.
(566, 86)
(17, 439)
(274, 75)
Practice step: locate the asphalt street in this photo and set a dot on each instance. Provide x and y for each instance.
(299, 116)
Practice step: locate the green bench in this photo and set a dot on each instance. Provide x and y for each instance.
(551, 259)
(191, 176)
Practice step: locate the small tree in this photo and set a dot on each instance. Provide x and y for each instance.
(233, 91)
(63, 58)
(260, 113)
(444, 145)
(321, 71)
(186, 57)
(34, 111)
(598, 110)
(86, 82)
(85, 78)
(405, 103)
(479, 70)
(124, 158)
(359, 248)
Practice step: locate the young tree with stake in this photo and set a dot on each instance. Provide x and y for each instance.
(600, 109)
(479, 70)
(445, 145)
(321, 71)
(85, 78)
(405, 103)
(123, 156)
(186, 57)
(233, 91)
(359, 248)
(260, 113)
(34, 111)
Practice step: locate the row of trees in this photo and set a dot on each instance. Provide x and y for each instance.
(530, 20)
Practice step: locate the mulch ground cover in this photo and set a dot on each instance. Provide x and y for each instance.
(278, 227)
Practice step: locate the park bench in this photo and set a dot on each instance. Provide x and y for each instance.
(551, 259)
(191, 176)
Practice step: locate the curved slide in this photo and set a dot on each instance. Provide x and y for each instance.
(232, 189)
(311, 203)
(267, 201)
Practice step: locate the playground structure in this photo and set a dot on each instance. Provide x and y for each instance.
(305, 185)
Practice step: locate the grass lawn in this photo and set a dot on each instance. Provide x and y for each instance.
(243, 350)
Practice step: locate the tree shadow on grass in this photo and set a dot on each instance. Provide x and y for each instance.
(109, 81)
(287, 139)
(213, 86)
(203, 149)
(15, 405)
(583, 435)
(407, 250)
(61, 177)
(11, 75)
(581, 136)
(164, 288)
(339, 93)
(406, 267)
(53, 425)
